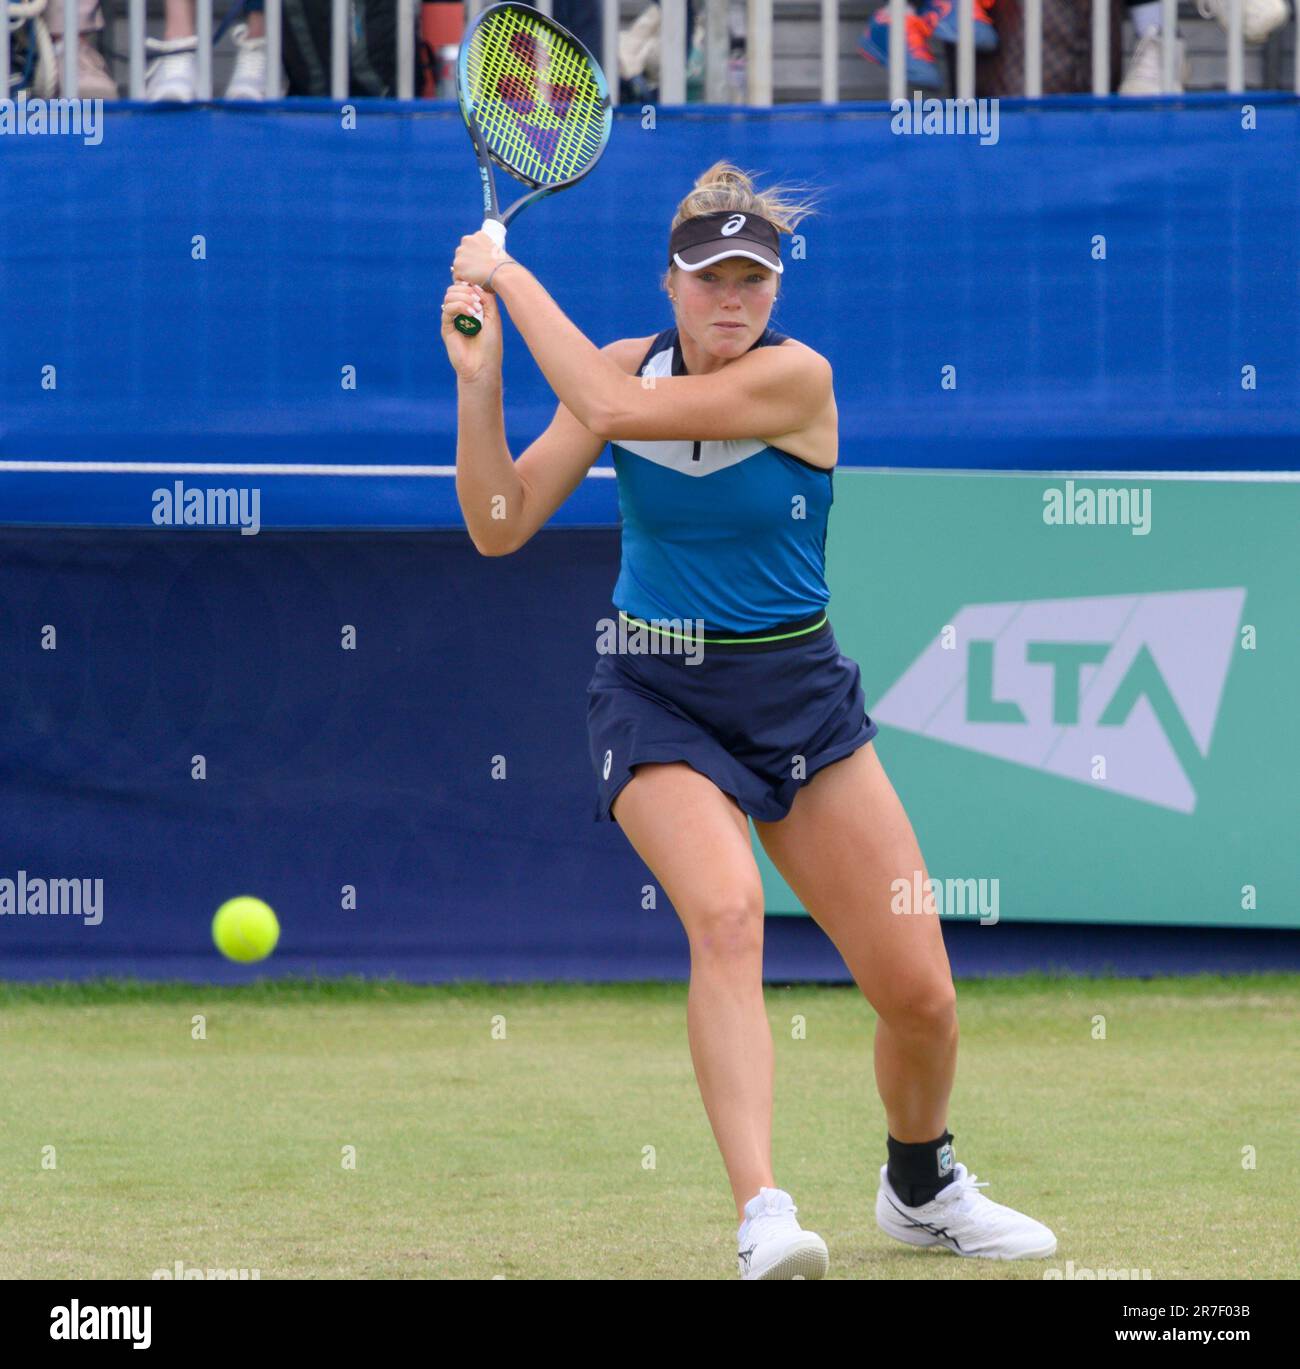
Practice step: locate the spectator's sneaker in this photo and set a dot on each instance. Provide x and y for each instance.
(93, 79)
(963, 1220)
(1258, 17)
(173, 75)
(772, 1245)
(1143, 74)
(921, 67)
(945, 29)
(248, 79)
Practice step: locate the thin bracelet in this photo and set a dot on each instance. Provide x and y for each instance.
(509, 261)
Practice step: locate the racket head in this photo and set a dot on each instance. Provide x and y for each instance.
(534, 94)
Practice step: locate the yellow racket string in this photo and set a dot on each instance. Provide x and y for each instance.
(535, 97)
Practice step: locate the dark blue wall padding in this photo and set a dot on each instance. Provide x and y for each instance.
(325, 767)
(330, 247)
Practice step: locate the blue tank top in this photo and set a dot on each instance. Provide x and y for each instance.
(711, 530)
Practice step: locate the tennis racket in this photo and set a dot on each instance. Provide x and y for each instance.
(536, 104)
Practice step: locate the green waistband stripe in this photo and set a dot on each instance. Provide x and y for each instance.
(721, 641)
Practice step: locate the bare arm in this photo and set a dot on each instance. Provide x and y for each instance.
(505, 502)
(764, 393)
(581, 374)
(487, 485)
(767, 392)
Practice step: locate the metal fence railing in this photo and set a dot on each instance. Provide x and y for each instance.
(761, 20)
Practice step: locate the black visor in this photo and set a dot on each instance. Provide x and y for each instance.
(699, 242)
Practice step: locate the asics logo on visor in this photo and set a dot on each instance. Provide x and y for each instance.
(733, 225)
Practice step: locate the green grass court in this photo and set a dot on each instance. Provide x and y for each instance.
(526, 1157)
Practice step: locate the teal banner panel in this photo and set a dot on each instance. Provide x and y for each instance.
(1086, 689)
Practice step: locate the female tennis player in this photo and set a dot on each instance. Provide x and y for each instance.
(743, 707)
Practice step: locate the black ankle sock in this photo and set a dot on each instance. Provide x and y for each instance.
(918, 1170)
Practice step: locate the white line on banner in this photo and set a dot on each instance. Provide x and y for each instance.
(596, 473)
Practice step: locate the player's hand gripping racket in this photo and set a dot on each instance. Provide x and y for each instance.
(536, 104)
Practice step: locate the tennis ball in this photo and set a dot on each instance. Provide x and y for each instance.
(245, 929)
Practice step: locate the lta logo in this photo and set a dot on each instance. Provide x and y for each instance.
(1052, 683)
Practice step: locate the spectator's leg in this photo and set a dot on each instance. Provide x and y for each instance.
(248, 76)
(89, 17)
(255, 14)
(1145, 15)
(178, 19)
(94, 81)
(173, 73)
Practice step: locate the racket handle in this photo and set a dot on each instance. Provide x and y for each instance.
(495, 230)
(470, 324)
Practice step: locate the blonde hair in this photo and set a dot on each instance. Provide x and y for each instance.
(725, 187)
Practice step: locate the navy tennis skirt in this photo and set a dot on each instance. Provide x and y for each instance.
(741, 709)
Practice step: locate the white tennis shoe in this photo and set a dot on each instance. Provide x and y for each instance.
(772, 1244)
(963, 1220)
(174, 72)
(248, 77)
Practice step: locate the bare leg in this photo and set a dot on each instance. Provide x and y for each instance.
(695, 839)
(178, 19)
(845, 841)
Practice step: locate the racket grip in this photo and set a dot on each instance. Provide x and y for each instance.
(467, 324)
(470, 324)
